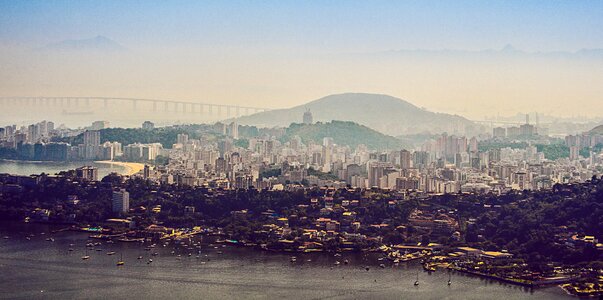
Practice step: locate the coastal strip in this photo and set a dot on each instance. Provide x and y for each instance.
(130, 167)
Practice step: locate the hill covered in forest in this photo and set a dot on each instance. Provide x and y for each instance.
(343, 133)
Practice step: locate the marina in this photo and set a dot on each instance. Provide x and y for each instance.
(221, 271)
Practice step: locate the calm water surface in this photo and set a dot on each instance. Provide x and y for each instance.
(29, 168)
(37, 268)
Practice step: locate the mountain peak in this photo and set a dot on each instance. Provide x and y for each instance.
(384, 113)
(509, 48)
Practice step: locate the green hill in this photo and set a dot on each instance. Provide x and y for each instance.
(343, 133)
(383, 113)
(165, 135)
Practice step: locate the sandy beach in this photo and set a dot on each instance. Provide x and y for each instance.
(131, 168)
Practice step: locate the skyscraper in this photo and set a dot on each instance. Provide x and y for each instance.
(182, 138)
(121, 201)
(87, 173)
(91, 144)
(234, 130)
(404, 159)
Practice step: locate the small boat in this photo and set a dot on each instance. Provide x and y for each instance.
(111, 253)
(293, 259)
(70, 249)
(382, 266)
(449, 279)
(140, 257)
(345, 262)
(149, 261)
(86, 256)
(417, 281)
(121, 260)
(337, 263)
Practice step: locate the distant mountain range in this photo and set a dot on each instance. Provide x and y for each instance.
(383, 113)
(507, 51)
(343, 133)
(97, 44)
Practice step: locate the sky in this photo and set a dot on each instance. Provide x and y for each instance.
(284, 53)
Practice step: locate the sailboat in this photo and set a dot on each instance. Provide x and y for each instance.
(121, 260)
(86, 256)
(417, 281)
(449, 279)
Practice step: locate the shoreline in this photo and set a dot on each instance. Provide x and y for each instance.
(131, 168)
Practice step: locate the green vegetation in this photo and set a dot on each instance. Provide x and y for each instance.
(167, 136)
(585, 152)
(162, 160)
(554, 151)
(343, 133)
(243, 143)
(534, 225)
(321, 175)
(270, 173)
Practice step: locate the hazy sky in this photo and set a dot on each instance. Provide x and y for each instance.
(284, 53)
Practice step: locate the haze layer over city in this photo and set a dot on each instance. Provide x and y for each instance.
(474, 59)
(286, 149)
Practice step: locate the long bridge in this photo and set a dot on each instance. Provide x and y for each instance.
(134, 104)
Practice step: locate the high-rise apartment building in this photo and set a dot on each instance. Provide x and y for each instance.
(121, 201)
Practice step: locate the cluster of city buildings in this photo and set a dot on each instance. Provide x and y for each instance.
(35, 142)
(446, 164)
